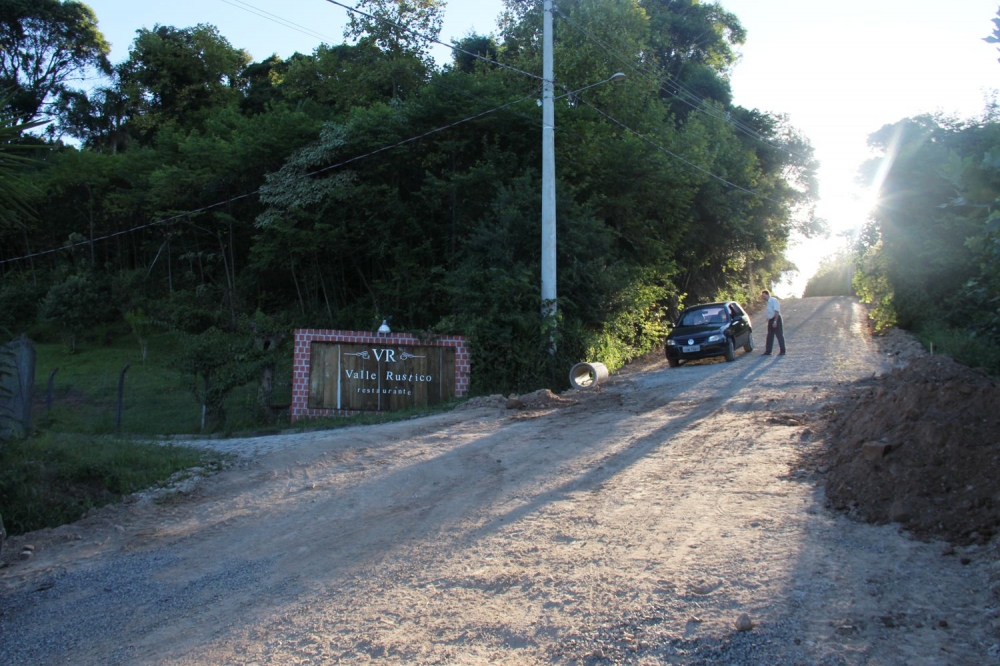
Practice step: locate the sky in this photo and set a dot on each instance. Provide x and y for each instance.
(842, 70)
(839, 70)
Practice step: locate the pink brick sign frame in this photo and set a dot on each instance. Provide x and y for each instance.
(304, 337)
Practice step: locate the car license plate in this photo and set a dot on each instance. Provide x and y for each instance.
(691, 349)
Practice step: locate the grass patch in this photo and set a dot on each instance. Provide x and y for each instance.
(156, 400)
(973, 352)
(55, 479)
(79, 462)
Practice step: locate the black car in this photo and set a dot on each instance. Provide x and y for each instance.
(709, 329)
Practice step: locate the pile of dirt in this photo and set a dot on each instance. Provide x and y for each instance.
(919, 446)
(540, 399)
(484, 401)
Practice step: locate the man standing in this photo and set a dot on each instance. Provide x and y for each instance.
(774, 327)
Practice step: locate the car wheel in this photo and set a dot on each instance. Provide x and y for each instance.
(730, 350)
(673, 362)
(748, 347)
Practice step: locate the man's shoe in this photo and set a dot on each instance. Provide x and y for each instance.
(781, 353)
(766, 354)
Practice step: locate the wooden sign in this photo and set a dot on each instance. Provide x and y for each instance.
(375, 378)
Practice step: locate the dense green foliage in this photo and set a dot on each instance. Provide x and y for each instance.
(358, 182)
(929, 259)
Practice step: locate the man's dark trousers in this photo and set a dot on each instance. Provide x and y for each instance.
(775, 329)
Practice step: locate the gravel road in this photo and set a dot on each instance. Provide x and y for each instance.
(666, 518)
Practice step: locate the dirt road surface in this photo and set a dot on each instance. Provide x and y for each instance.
(632, 524)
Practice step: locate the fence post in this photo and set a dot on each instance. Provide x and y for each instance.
(48, 393)
(121, 393)
(17, 385)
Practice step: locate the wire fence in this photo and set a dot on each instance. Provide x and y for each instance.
(147, 401)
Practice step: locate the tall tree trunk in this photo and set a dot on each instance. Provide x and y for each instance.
(204, 405)
(27, 251)
(170, 270)
(232, 276)
(230, 286)
(265, 389)
(322, 284)
(295, 279)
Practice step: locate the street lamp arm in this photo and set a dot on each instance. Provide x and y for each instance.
(614, 78)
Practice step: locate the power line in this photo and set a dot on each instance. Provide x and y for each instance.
(274, 18)
(682, 92)
(433, 40)
(676, 156)
(286, 23)
(645, 72)
(281, 21)
(746, 130)
(415, 138)
(681, 89)
(203, 209)
(377, 151)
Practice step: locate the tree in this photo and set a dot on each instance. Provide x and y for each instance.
(690, 32)
(70, 189)
(214, 363)
(269, 335)
(44, 45)
(472, 50)
(976, 180)
(14, 190)
(932, 234)
(692, 46)
(179, 75)
(995, 37)
(99, 119)
(336, 79)
(398, 26)
(142, 328)
(73, 305)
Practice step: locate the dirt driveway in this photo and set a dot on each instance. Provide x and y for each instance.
(634, 524)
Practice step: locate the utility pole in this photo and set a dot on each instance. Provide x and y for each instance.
(549, 292)
(548, 172)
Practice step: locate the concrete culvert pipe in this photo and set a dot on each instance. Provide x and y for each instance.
(587, 375)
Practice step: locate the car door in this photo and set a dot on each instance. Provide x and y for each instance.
(740, 325)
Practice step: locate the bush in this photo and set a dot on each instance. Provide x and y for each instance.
(968, 348)
(75, 304)
(19, 297)
(187, 311)
(834, 278)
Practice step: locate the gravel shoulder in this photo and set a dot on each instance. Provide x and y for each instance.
(632, 524)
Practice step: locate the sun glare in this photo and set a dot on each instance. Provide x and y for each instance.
(846, 212)
(887, 160)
